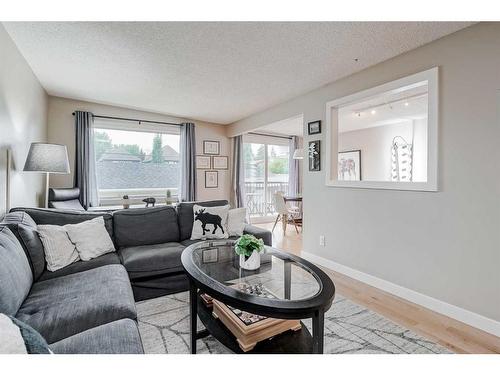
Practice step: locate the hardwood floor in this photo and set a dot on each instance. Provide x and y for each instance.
(456, 336)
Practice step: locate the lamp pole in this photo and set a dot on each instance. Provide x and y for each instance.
(47, 174)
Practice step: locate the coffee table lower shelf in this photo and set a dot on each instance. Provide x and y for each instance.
(290, 342)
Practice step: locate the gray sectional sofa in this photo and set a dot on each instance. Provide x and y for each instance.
(89, 307)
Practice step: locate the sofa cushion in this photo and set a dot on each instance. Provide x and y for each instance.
(15, 273)
(145, 226)
(25, 229)
(67, 305)
(80, 266)
(151, 260)
(43, 216)
(118, 337)
(186, 216)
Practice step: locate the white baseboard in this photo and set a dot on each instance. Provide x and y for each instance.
(452, 311)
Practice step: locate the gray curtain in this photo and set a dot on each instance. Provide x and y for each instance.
(85, 169)
(188, 163)
(238, 174)
(293, 167)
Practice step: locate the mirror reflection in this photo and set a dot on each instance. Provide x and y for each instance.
(384, 138)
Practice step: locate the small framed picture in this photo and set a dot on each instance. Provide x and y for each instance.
(211, 147)
(211, 179)
(220, 162)
(314, 156)
(314, 127)
(203, 162)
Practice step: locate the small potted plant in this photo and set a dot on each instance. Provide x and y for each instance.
(248, 248)
(169, 200)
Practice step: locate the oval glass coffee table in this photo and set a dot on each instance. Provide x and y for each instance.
(284, 287)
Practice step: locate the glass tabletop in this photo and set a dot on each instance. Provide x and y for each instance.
(279, 276)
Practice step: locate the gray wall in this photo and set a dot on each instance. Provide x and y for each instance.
(23, 119)
(446, 244)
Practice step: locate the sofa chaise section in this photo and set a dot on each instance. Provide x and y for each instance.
(74, 312)
(67, 305)
(118, 337)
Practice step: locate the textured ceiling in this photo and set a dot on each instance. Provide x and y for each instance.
(212, 71)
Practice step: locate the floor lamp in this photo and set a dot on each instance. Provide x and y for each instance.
(47, 158)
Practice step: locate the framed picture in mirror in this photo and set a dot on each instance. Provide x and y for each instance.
(349, 168)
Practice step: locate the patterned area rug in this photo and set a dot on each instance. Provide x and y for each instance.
(349, 328)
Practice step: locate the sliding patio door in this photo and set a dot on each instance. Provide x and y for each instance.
(266, 172)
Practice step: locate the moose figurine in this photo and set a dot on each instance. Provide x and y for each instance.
(149, 201)
(207, 218)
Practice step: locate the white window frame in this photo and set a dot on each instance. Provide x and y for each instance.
(331, 131)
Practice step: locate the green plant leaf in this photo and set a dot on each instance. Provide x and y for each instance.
(247, 244)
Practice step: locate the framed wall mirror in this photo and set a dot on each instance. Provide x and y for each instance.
(391, 129)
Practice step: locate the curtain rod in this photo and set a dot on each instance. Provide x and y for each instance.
(270, 135)
(133, 119)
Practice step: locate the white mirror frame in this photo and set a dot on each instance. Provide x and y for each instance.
(431, 76)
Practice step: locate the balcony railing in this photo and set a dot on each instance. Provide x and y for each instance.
(259, 200)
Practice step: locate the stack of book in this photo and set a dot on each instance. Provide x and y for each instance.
(248, 328)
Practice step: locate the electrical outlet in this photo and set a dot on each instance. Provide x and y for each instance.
(321, 240)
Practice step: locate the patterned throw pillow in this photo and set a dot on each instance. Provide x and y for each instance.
(209, 222)
(59, 250)
(19, 338)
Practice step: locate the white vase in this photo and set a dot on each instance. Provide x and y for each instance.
(252, 263)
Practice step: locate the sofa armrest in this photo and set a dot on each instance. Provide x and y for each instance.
(265, 234)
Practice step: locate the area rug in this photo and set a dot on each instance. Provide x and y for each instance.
(349, 328)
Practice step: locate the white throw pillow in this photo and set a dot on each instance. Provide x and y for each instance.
(209, 222)
(59, 250)
(90, 238)
(11, 340)
(236, 221)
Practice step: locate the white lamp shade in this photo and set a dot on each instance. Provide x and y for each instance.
(298, 153)
(47, 157)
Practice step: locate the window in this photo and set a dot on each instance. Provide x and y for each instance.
(139, 162)
(266, 172)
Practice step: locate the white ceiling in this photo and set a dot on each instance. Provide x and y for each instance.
(212, 71)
